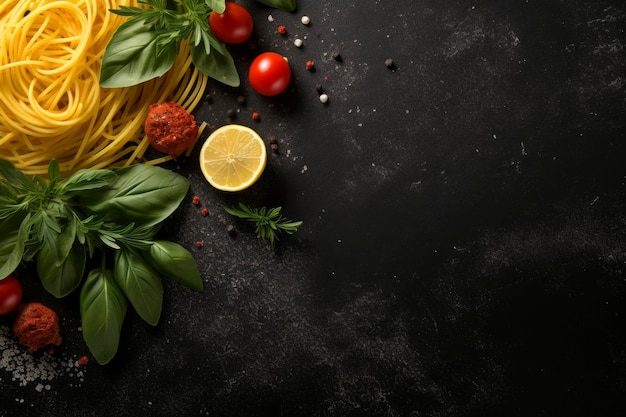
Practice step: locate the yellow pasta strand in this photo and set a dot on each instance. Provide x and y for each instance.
(51, 104)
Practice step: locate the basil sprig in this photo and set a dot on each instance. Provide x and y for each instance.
(103, 217)
(147, 44)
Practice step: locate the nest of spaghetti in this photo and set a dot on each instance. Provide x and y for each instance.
(51, 104)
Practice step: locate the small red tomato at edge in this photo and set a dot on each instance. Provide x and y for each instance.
(10, 294)
(233, 26)
(269, 74)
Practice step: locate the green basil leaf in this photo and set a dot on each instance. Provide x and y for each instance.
(140, 283)
(136, 53)
(15, 177)
(14, 232)
(53, 170)
(7, 193)
(216, 5)
(143, 194)
(289, 5)
(102, 311)
(174, 261)
(9, 208)
(218, 64)
(86, 179)
(61, 277)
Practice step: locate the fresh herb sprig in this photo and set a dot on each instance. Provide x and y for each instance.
(147, 44)
(269, 222)
(111, 216)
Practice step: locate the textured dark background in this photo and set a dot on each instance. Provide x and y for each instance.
(464, 237)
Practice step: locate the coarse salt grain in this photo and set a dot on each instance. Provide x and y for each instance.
(324, 98)
(305, 20)
(27, 368)
(298, 43)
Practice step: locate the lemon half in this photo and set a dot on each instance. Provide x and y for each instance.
(233, 157)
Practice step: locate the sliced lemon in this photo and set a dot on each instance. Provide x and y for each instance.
(233, 157)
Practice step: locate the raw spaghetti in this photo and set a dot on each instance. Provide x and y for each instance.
(51, 105)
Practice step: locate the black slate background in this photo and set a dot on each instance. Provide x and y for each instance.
(464, 237)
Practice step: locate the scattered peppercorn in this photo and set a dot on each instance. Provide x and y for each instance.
(231, 114)
(83, 360)
(195, 200)
(199, 244)
(274, 144)
(310, 65)
(241, 100)
(282, 30)
(231, 230)
(319, 88)
(337, 56)
(205, 212)
(256, 115)
(390, 64)
(208, 98)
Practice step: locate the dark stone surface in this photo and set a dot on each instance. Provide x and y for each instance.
(464, 237)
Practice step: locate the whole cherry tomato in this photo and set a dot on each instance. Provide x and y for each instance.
(10, 294)
(233, 26)
(269, 74)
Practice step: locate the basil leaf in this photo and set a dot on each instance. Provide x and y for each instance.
(289, 5)
(15, 177)
(102, 311)
(61, 277)
(218, 64)
(174, 261)
(216, 5)
(143, 194)
(140, 283)
(86, 179)
(136, 53)
(53, 170)
(7, 193)
(13, 235)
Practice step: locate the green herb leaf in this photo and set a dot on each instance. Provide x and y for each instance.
(102, 310)
(269, 223)
(13, 235)
(53, 171)
(216, 5)
(15, 177)
(142, 194)
(218, 64)
(61, 277)
(86, 179)
(288, 5)
(140, 283)
(136, 53)
(175, 262)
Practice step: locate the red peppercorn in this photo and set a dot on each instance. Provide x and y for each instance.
(196, 200)
(205, 211)
(310, 65)
(199, 244)
(255, 116)
(282, 30)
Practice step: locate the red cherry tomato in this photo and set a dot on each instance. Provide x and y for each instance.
(233, 26)
(269, 74)
(10, 294)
